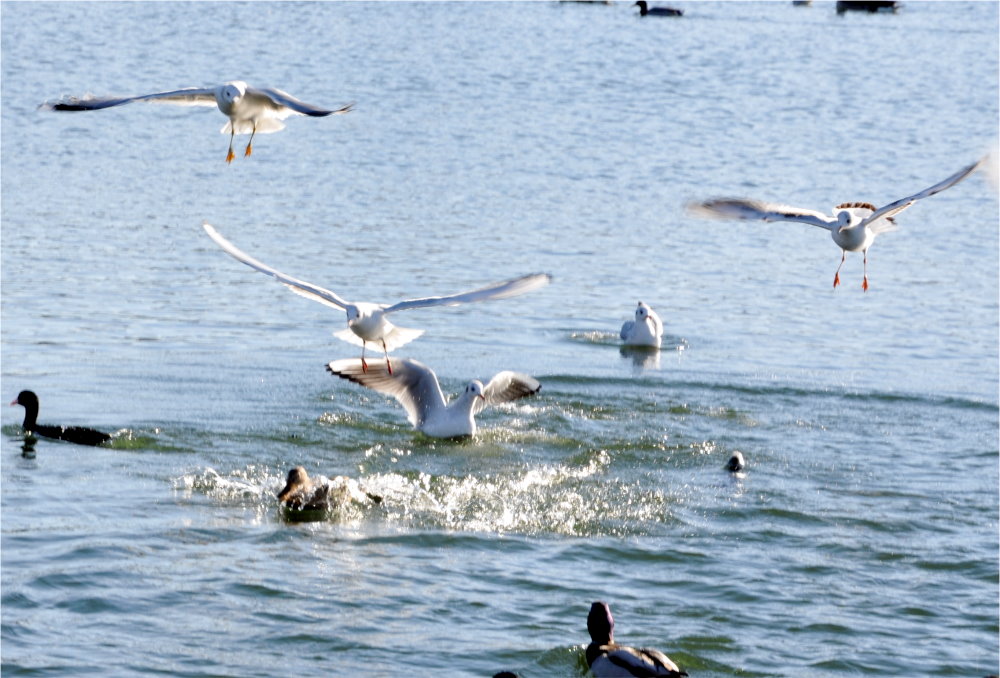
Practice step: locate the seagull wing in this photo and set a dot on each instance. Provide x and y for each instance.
(412, 383)
(739, 208)
(503, 290)
(657, 323)
(505, 387)
(191, 96)
(627, 328)
(286, 100)
(901, 204)
(300, 287)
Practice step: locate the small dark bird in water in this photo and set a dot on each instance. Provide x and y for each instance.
(74, 434)
(870, 6)
(646, 10)
(605, 657)
(303, 493)
(736, 462)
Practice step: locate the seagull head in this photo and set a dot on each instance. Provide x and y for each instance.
(641, 312)
(844, 220)
(475, 389)
(233, 91)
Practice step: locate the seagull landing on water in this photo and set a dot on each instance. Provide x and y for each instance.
(646, 330)
(250, 110)
(416, 388)
(369, 321)
(853, 225)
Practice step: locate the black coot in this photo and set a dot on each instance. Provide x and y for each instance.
(74, 434)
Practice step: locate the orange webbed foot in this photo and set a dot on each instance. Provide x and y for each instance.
(388, 365)
(836, 279)
(230, 156)
(246, 153)
(864, 284)
(364, 366)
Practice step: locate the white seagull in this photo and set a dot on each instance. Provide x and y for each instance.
(416, 387)
(250, 110)
(853, 225)
(645, 330)
(608, 659)
(368, 321)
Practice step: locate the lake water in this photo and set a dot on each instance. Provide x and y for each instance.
(488, 141)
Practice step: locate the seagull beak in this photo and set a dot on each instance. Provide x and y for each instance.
(481, 397)
(14, 402)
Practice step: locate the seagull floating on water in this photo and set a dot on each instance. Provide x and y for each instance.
(646, 10)
(250, 110)
(853, 225)
(307, 494)
(646, 330)
(368, 321)
(606, 658)
(80, 435)
(416, 387)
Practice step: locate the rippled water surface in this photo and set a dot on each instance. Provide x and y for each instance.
(491, 140)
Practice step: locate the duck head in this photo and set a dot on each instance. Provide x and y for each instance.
(297, 480)
(736, 462)
(600, 623)
(29, 401)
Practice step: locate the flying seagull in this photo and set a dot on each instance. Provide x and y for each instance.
(368, 321)
(250, 110)
(853, 225)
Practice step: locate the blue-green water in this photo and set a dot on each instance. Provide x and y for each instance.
(491, 140)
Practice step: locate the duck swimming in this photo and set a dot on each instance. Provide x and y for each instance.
(73, 434)
(736, 462)
(305, 494)
(645, 9)
(607, 658)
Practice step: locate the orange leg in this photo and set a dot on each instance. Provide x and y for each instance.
(230, 155)
(864, 285)
(836, 276)
(249, 150)
(387, 363)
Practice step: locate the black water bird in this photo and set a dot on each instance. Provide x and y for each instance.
(646, 10)
(736, 462)
(605, 657)
(74, 434)
(870, 6)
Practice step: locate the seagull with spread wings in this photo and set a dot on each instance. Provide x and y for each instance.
(416, 388)
(853, 225)
(250, 110)
(368, 321)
